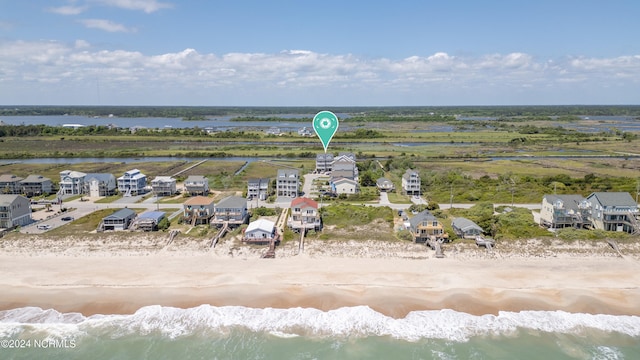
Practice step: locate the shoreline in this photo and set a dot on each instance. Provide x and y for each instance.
(123, 283)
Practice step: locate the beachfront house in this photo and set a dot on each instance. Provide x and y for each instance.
(15, 210)
(132, 183)
(426, 227)
(36, 185)
(10, 184)
(288, 183)
(197, 185)
(261, 231)
(465, 228)
(163, 186)
(614, 211)
(384, 184)
(71, 182)
(232, 211)
(304, 215)
(324, 162)
(411, 182)
(198, 210)
(258, 188)
(99, 184)
(560, 211)
(147, 221)
(118, 221)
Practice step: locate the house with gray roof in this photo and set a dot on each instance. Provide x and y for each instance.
(119, 220)
(258, 188)
(614, 211)
(35, 185)
(132, 183)
(324, 162)
(288, 183)
(164, 186)
(425, 227)
(197, 185)
(411, 182)
(100, 184)
(10, 184)
(71, 182)
(560, 211)
(385, 184)
(231, 210)
(15, 210)
(465, 228)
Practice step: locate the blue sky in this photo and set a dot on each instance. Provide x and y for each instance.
(279, 53)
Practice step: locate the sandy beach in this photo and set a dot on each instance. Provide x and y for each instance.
(394, 278)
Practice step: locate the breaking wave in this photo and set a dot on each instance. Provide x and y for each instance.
(359, 321)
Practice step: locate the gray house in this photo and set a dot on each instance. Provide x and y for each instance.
(614, 211)
(288, 183)
(344, 165)
(466, 228)
(197, 185)
(119, 220)
(34, 185)
(258, 188)
(10, 184)
(324, 162)
(231, 210)
(15, 210)
(385, 184)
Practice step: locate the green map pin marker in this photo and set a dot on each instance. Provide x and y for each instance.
(325, 123)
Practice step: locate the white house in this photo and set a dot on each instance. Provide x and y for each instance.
(100, 184)
(260, 231)
(163, 186)
(344, 186)
(71, 182)
(411, 182)
(132, 183)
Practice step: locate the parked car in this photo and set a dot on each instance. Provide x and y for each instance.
(43, 227)
(67, 218)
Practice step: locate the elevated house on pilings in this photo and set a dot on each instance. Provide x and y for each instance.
(231, 210)
(198, 210)
(560, 211)
(614, 211)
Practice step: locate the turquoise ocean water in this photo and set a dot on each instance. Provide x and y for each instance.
(208, 332)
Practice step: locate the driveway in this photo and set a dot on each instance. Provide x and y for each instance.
(384, 198)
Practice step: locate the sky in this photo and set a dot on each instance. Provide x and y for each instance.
(316, 53)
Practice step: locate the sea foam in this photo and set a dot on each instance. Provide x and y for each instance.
(359, 321)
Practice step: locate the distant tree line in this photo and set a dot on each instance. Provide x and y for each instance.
(357, 113)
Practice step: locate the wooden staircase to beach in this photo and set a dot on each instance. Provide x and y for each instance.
(220, 234)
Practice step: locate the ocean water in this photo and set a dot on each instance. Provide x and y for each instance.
(208, 332)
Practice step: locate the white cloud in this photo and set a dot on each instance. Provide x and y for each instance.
(68, 10)
(307, 77)
(147, 6)
(106, 25)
